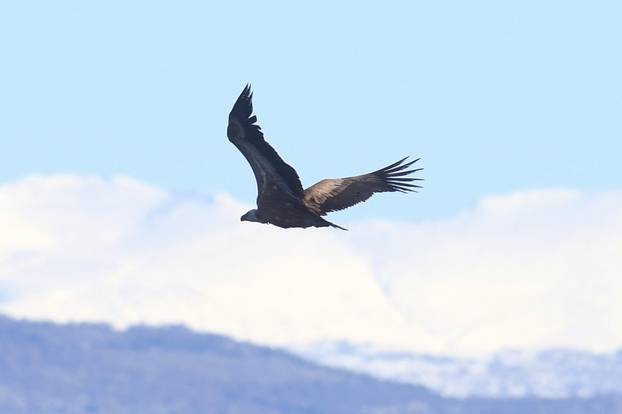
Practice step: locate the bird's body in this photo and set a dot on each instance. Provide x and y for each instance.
(281, 200)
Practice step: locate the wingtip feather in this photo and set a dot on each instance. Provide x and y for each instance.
(395, 176)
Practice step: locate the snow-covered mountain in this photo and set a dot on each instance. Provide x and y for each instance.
(92, 368)
(555, 373)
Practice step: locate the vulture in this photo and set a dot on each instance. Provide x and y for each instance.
(281, 199)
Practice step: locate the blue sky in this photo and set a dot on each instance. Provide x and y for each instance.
(495, 96)
(514, 106)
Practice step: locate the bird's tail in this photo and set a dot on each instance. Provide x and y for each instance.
(336, 226)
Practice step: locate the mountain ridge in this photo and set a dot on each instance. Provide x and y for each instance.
(550, 373)
(92, 368)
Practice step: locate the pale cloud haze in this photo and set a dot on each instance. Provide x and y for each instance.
(529, 269)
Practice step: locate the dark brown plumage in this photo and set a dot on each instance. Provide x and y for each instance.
(281, 199)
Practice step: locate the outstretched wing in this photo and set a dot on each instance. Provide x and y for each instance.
(268, 167)
(337, 194)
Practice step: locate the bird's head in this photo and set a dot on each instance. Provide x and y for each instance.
(251, 215)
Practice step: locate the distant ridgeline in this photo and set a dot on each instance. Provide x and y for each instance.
(91, 368)
(548, 373)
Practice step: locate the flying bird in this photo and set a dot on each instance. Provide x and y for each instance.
(281, 200)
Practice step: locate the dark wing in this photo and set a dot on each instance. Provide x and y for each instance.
(337, 194)
(246, 135)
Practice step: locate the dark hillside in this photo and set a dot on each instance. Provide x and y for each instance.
(91, 368)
